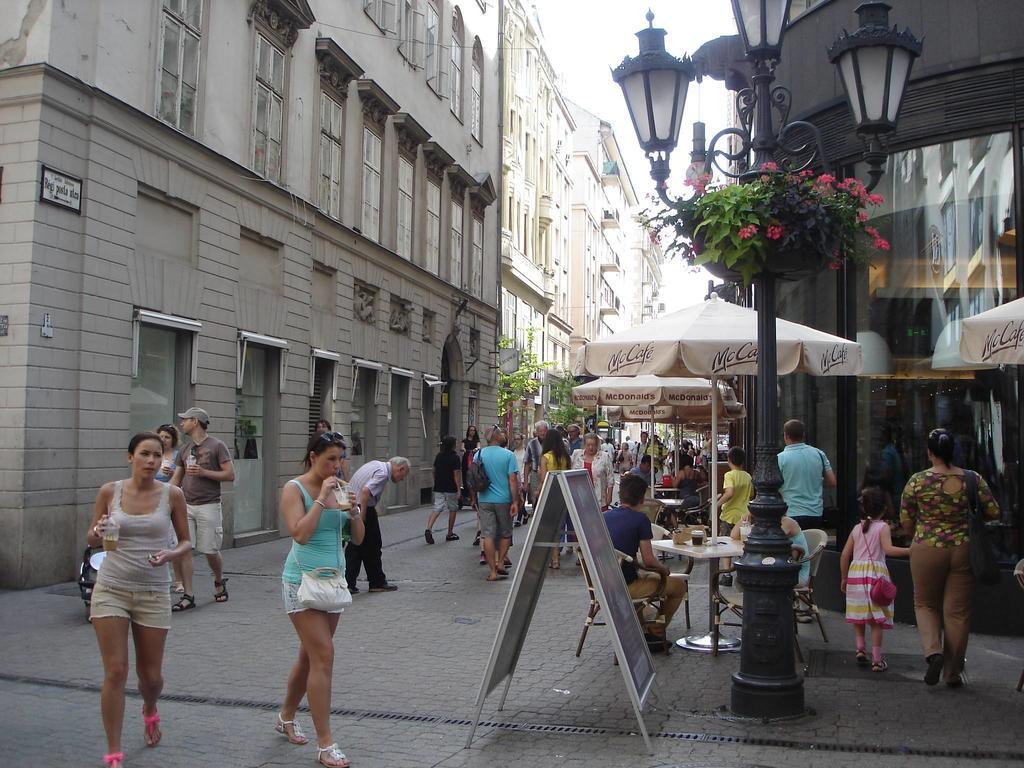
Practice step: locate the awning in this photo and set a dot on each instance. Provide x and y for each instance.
(245, 338)
(172, 322)
(323, 354)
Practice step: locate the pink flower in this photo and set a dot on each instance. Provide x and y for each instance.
(876, 199)
(826, 179)
(774, 232)
(881, 244)
(769, 166)
(807, 173)
(746, 233)
(835, 264)
(765, 178)
(873, 232)
(862, 216)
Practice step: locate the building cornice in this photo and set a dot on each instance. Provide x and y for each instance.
(282, 19)
(377, 105)
(337, 68)
(436, 158)
(409, 132)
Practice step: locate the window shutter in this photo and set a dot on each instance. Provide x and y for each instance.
(419, 31)
(388, 18)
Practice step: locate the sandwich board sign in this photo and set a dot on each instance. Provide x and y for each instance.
(570, 492)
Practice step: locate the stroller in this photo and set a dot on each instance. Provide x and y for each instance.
(92, 559)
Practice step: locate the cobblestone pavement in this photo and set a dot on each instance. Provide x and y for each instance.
(408, 667)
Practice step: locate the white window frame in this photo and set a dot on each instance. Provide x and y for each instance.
(333, 357)
(432, 52)
(382, 13)
(411, 32)
(372, 154)
(432, 255)
(273, 97)
(170, 17)
(476, 97)
(172, 322)
(476, 286)
(406, 187)
(331, 143)
(358, 363)
(412, 376)
(245, 338)
(456, 244)
(455, 76)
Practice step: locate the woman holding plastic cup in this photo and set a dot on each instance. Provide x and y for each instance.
(133, 519)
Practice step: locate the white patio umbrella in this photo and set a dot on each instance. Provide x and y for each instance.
(995, 336)
(658, 399)
(713, 339)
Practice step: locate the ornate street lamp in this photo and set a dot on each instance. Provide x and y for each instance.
(874, 63)
(655, 85)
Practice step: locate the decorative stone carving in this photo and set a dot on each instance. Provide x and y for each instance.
(365, 298)
(459, 180)
(428, 326)
(377, 105)
(436, 159)
(400, 319)
(474, 343)
(410, 134)
(337, 68)
(282, 18)
(481, 193)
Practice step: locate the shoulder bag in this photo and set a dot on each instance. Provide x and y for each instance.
(984, 565)
(476, 476)
(325, 588)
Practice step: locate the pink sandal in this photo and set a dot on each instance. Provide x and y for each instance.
(114, 759)
(152, 723)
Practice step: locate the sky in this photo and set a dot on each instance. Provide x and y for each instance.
(587, 38)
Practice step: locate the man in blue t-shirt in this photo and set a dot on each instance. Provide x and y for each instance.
(499, 504)
(631, 533)
(805, 471)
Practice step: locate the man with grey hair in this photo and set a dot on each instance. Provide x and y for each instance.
(367, 485)
(531, 466)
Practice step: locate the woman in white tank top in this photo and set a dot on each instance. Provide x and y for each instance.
(132, 586)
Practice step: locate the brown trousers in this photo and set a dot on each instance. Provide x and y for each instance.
(647, 584)
(943, 585)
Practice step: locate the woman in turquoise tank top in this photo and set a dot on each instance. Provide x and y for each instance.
(310, 511)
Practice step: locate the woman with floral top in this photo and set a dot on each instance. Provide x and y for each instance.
(934, 510)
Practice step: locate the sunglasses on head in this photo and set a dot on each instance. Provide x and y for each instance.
(331, 437)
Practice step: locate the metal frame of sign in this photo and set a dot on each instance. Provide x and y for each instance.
(519, 608)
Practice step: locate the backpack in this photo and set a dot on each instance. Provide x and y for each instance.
(476, 476)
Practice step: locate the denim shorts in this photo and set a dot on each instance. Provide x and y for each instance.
(290, 593)
(446, 502)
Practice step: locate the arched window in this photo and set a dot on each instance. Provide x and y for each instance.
(457, 46)
(476, 119)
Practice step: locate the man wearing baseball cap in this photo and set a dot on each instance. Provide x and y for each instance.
(202, 465)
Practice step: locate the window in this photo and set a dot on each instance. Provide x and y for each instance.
(476, 264)
(268, 107)
(455, 273)
(431, 59)
(371, 184)
(180, 32)
(433, 226)
(476, 106)
(330, 156)
(411, 32)
(405, 181)
(456, 60)
(382, 12)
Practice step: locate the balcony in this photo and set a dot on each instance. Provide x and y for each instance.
(610, 263)
(546, 210)
(610, 306)
(609, 219)
(610, 172)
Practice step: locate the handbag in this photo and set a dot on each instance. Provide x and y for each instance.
(883, 592)
(984, 565)
(324, 588)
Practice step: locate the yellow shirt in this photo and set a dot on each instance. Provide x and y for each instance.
(742, 492)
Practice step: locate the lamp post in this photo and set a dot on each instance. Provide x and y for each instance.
(874, 64)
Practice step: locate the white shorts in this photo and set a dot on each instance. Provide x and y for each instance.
(206, 527)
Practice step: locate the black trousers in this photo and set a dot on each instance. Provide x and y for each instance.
(367, 554)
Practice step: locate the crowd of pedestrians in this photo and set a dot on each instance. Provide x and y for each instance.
(170, 506)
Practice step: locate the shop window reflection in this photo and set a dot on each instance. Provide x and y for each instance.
(948, 214)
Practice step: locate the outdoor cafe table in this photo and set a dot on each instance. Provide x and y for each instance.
(725, 547)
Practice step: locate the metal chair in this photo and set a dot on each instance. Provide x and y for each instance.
(803, 597)
(725, 603)
(1018, 571)
(655, 601)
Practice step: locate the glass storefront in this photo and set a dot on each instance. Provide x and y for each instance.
(949, 216)
(250, 421)
(152, 394)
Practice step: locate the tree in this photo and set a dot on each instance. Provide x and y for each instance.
(524, 383)
(561, 409)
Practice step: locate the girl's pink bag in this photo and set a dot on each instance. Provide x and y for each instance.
(883, 592)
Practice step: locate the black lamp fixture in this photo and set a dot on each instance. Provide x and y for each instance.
(874, 64)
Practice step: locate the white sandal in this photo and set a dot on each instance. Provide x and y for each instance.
(334, 754)
(296, 736)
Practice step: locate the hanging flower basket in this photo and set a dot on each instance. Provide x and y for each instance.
(791, 225)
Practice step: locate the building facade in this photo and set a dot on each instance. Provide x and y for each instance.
(536, 199)
(278, 210)
(953, 199)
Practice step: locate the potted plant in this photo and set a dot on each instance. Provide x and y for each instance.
(789, 224)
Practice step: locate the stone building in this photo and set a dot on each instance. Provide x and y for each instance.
(279, 210)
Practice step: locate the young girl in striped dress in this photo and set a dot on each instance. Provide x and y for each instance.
(867, 546)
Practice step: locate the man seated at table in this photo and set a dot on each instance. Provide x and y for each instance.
(631, 533)
(643, 469)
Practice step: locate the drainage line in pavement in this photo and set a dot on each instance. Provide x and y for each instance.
(707, 738)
